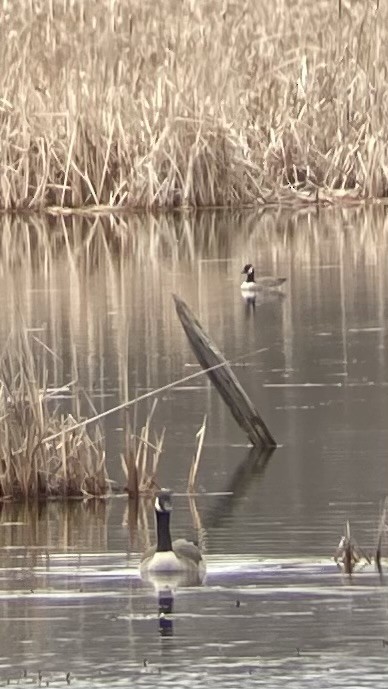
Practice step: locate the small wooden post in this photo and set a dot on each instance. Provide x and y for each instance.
(223, 378)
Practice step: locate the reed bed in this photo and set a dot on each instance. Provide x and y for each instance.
(192, 103)
(141, 458)
(46, 453)
(72, 465)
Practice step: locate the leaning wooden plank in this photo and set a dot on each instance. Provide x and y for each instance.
(223, 378)
(380, 537)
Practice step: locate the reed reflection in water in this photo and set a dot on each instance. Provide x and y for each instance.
(101, 290)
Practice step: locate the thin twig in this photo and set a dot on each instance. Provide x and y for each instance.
(151, 393)
(196, 459)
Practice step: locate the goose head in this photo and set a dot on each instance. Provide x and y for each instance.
(248, 269)
(163, 501)
(249, 282)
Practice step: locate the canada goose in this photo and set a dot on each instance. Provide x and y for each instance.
(171, 558)
(262, 283)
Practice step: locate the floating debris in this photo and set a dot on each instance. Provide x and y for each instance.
(349, 556)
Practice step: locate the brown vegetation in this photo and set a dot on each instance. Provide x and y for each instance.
(47, 453)
(141, 458)
(72, 464)
(192, 103)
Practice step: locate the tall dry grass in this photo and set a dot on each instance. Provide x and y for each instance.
(191, 103)
(47, 452)
(72, 465)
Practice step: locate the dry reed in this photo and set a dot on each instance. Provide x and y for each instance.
(381, 536)
(200, 438)
(72, 465)
(141, 458)
(196, 103)
(45, 453)
(349, 556)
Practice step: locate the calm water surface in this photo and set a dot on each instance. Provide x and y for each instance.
(273, 611)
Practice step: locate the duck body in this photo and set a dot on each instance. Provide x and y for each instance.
(267, 282)
(170, 557)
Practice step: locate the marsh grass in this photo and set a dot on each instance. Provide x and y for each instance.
(141, 458)
(196, 103)
(200, 439)
(72, 465)
(46, 453)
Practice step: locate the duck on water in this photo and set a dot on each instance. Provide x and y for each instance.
(168, 557)
(266, 282)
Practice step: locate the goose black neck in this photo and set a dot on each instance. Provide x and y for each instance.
(251, 276)
(163, 532)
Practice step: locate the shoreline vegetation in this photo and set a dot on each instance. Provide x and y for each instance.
(73, 463)
(132, 105)
(50, 450)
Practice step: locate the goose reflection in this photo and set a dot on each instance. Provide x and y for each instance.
(252, 300)
(165, 587)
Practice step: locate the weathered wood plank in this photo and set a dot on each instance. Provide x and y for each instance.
(223, 378)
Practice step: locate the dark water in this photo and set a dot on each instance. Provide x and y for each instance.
(71, 599)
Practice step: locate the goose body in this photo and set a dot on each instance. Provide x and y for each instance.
(168, 557)
(266, 282)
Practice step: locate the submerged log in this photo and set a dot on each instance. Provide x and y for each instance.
(223, 378)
